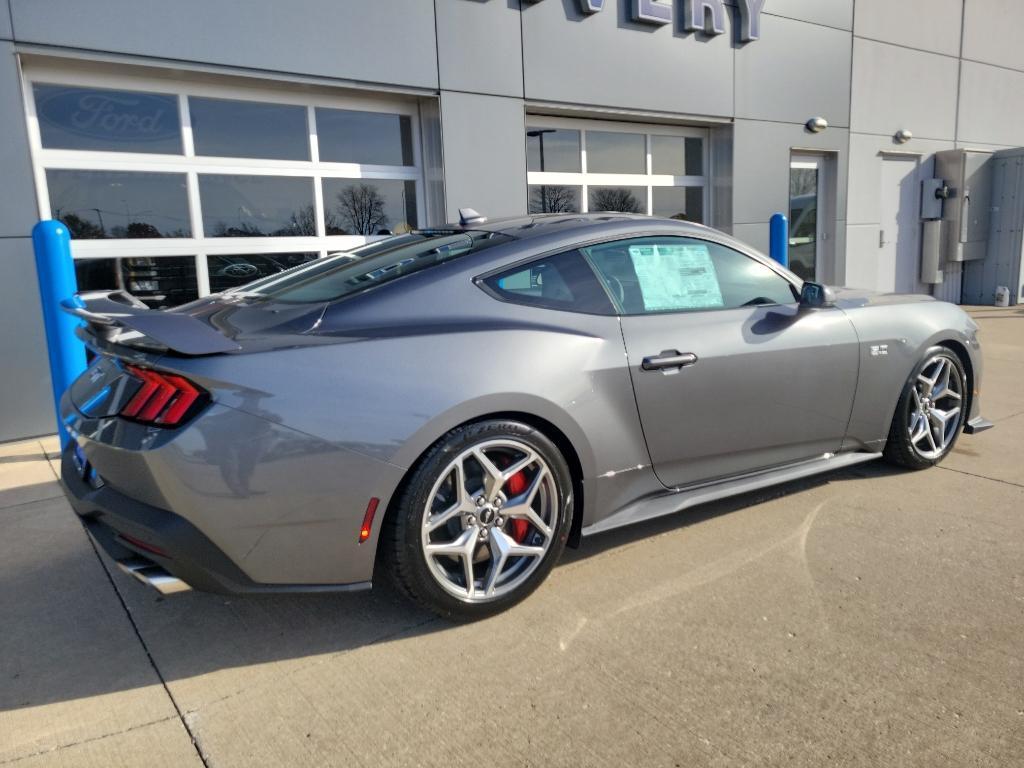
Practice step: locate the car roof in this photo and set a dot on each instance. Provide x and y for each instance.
(570, 224)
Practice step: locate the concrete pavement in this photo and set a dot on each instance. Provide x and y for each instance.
(870, 617)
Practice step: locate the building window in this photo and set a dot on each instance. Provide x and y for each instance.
(588, 166)
(175, 189)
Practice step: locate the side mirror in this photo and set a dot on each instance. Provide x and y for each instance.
(816, 296)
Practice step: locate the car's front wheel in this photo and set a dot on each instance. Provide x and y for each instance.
(482, 520)
(930, 412)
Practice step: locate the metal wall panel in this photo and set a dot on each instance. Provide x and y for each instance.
(898, 88)
(384, 41)
(26, 407)
(18, 209)
(864, 206)
(931, 25)
(754, 235)
(794, 72)
(761, 154)
(861, 257)
(833, 13)
(479, 47)
(484, 154)
(991, 105)
(992, 32)
(5, 20)
(605, 59)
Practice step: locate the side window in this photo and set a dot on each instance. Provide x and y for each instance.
(680, 274)
(564, 281)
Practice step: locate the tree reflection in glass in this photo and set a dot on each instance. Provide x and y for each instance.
(617, 199)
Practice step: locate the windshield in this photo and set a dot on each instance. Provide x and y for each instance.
(371, 265)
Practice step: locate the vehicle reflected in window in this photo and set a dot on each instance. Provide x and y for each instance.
(94, 119)
(257, 206)
(369, 206)
(232, 128)
(119, 204)
(232, 271)
(159, 282)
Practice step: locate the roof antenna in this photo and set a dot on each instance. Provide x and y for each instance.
(467, 217)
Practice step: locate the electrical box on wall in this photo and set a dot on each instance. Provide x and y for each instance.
(933, 192)
(1002, 265)
(966, 174)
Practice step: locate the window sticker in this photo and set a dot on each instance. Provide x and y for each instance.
(674, 277)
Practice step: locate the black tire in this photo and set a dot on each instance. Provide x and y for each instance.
(899, 449)
(402, 547)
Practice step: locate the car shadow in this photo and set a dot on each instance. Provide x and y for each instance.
(99, 629)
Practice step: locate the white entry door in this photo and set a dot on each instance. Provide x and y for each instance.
(899, 237)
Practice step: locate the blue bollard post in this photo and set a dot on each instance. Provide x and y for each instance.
(779, 239)
(56, 273)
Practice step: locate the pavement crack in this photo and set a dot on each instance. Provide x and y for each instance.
(982, 477)
(89, 740)
(152, 662)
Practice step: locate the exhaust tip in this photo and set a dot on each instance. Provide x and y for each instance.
(153, 575)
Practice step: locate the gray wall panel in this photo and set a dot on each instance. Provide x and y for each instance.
(833, 13)
(754, 235)
(789, 53)
(479, 47)
(332, 38)
(861, 256)
(991, 105)
(26, 407)
(932, 25)
(896, 88)
(992, 32)
(863, 200)
(761, 153)
(18, 210)
(5, 20)
(484, 154)
(606, 60)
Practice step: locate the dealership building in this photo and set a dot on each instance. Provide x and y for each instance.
(193, 146)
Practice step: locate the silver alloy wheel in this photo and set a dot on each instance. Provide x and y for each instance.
(938, 397)
(478, 542)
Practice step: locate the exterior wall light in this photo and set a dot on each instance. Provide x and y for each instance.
(816, 125)
(903, 136)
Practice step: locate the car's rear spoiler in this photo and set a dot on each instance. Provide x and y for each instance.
(105, 311)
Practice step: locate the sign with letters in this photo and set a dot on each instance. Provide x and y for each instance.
(697, 15)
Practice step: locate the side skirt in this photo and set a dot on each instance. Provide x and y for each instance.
(676, 501)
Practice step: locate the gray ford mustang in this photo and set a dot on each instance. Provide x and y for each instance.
(459, 404)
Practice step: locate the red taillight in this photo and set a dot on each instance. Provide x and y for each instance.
(367, 526)
(144, 546)
(163, 398)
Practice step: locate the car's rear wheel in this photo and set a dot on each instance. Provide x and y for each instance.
(483, 519)
(930, 412)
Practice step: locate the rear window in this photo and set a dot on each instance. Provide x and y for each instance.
(371, 265)
(564, 281)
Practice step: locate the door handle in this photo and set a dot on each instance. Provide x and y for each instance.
(669, 359)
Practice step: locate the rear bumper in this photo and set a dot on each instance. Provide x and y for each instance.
(177, 556)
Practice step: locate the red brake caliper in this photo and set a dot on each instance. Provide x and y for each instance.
(514, 486)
